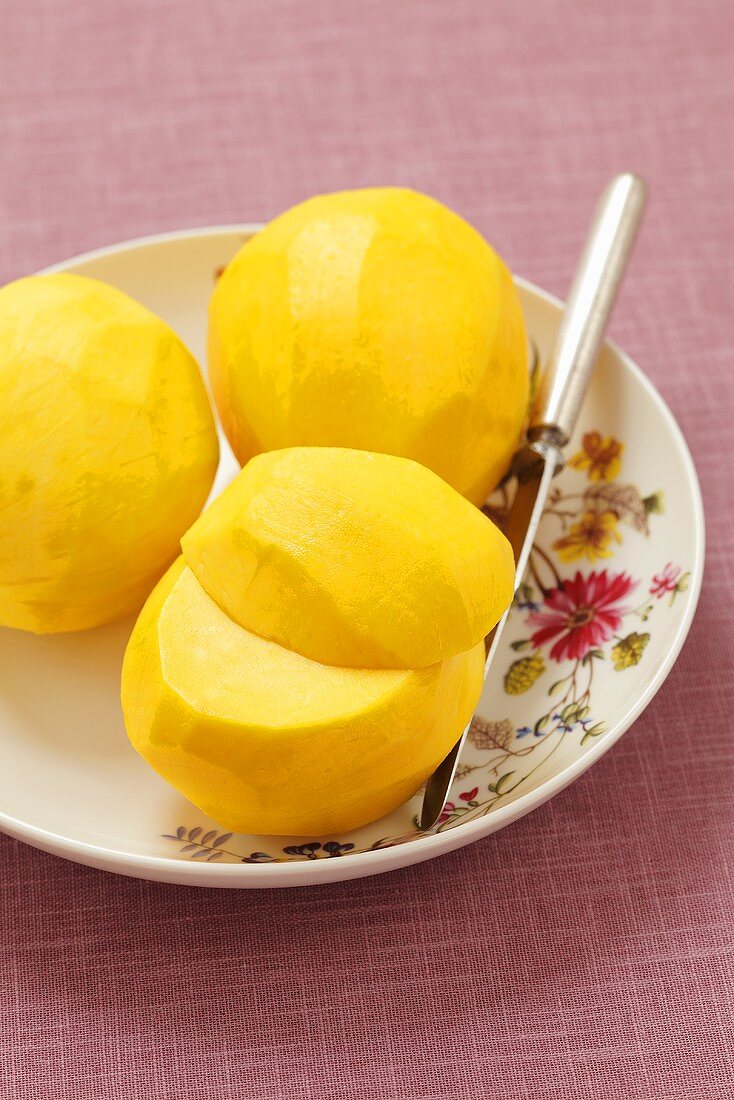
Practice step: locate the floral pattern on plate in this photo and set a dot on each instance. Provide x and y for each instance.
(572, 614)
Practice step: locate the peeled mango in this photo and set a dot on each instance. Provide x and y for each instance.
(264, 740)
(375, 319)
(108, 451)
(267, 739)
(354, 559)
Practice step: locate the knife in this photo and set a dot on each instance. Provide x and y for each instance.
(561, 390)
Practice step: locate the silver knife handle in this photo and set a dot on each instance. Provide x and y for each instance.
(572, 358)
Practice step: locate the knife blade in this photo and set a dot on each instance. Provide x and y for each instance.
(561, 390)
(533, 487)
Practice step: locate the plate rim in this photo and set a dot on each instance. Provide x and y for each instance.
(242, 875)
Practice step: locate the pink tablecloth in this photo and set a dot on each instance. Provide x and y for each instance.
(586, 951)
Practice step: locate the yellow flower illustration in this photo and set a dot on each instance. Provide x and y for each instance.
(521, 675)
(628, 651)
(601, 456)
(591, 537)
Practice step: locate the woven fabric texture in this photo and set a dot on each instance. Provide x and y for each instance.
(587, 951)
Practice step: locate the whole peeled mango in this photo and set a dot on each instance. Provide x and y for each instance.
(108, 450)
(375, 319)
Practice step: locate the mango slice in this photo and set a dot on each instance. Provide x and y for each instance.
(352, 559)
(266, 740)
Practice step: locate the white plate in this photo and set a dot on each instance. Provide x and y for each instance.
(71, 784)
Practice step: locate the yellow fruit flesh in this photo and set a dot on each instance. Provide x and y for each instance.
(374, 319)
(107, 452)
(265, 740)
(352, 559)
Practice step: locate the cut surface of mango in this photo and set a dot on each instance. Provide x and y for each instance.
(267, 741)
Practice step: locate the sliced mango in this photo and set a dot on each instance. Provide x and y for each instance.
(265, 740)
(353, 559)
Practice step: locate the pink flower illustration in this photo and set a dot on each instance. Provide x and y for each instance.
(584, 612)
(666, 581)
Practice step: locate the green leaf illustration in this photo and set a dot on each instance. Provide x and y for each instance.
(501, 782)
(655, 504)
(541, 724)
(593, 731)
(593, 654)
